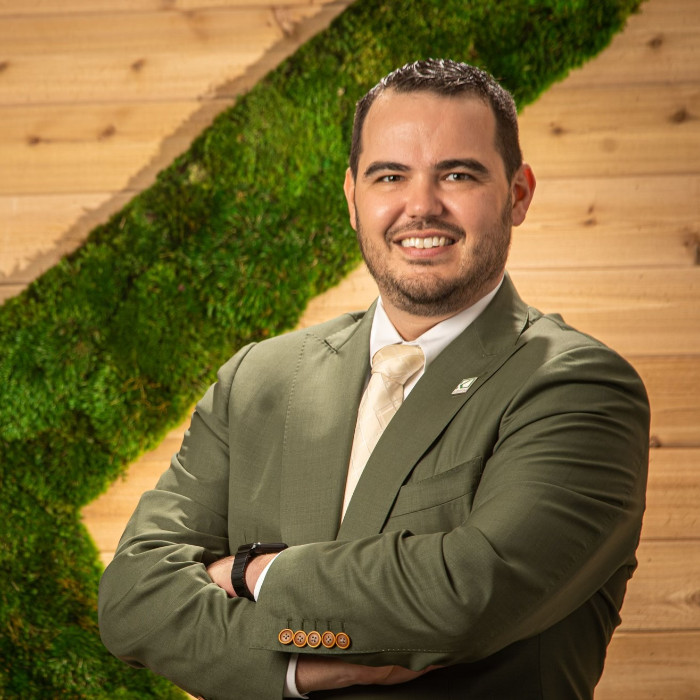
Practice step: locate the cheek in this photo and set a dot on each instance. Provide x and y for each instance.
(377, 212)
(479, 212)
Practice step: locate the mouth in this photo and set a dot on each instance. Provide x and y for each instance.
(423, 242)
(432, 236)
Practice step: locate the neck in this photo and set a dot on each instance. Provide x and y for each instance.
(410, 326)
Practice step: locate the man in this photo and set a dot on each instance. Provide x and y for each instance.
(480, 546)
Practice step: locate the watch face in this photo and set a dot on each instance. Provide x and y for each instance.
(267, 547)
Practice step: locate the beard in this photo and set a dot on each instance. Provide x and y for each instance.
(429, 294)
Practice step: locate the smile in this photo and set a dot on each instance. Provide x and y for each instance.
(431, 242)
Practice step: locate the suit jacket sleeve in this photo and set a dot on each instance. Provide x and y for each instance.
(554, 440)
(556, 515)
(157, 605)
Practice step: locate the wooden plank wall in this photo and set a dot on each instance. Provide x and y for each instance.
(97, 96)
(612, 240)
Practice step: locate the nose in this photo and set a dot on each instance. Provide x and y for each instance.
(424, 198)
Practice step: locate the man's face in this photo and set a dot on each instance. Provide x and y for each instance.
(431, 204)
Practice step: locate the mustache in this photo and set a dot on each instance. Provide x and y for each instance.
(432, 223)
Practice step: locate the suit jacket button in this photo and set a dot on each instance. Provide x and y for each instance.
(342, 640)
(300, 638)
(285, 636)
(313, 639)
(328, 640)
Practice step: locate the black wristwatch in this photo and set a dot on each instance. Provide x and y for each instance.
(245, 553)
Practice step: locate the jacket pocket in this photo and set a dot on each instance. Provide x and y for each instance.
(437, 503)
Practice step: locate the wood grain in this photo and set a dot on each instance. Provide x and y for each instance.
(673, 384)
(54, 7)
(607, 222)
(652, 666)
(36, 230)
(673, 497)
(70, 150)
(614, 131)
(664, 593)
(630, 309)
(124, 56)
(659, 45)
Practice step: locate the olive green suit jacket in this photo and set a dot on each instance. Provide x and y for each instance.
(492, 532)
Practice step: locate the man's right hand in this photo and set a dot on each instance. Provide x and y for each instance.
(319, 673)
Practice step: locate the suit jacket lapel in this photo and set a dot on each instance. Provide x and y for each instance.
(319, 430)
(477, 352)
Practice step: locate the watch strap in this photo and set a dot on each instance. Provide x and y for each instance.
(245, 553)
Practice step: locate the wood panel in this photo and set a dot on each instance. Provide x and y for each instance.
(53, 7)
(36, 230)
(67, 149)
(652, 666)
(61, 135)
(673, 496)
(673, 384)
(616, 131)
(610, 221)
(664, 593)
(661, 44)
(652, 310)
(127, 56)
(10, 290)
(584, 223)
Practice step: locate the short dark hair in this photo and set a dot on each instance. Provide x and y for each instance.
(448, 78)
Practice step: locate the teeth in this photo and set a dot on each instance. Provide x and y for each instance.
(434, 242)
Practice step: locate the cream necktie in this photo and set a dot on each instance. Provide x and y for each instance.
(392, 367)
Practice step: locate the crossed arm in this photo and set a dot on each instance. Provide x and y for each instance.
(557, 510)
(315, 672)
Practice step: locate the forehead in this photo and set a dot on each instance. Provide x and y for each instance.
(425, 125)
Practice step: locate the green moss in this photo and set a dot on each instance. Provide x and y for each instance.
(109, 349)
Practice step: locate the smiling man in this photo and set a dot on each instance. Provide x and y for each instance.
(432, 204)
(440, 497)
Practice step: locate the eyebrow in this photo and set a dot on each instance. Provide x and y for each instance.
(381, 165)
(450, 164)
(465, 163)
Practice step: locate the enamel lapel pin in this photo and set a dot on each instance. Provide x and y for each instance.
(463, 386)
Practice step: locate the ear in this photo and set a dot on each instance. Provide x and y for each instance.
(349, 188)
(522, 190)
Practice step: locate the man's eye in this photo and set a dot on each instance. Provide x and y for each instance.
(456, 177)
(390, 178)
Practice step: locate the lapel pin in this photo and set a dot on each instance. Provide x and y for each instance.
(463, 386)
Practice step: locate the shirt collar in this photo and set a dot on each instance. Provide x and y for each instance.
(434, 340)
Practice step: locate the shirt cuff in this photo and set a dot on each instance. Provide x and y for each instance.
(290, 685)
(261, 578)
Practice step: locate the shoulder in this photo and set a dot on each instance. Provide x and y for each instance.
(274, 354)
(554, 349)
(555, 337)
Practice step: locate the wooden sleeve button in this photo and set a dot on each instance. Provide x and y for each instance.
(285, 636)
(300, 638)
(313, 639)
(342, 640)
(328, 640)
